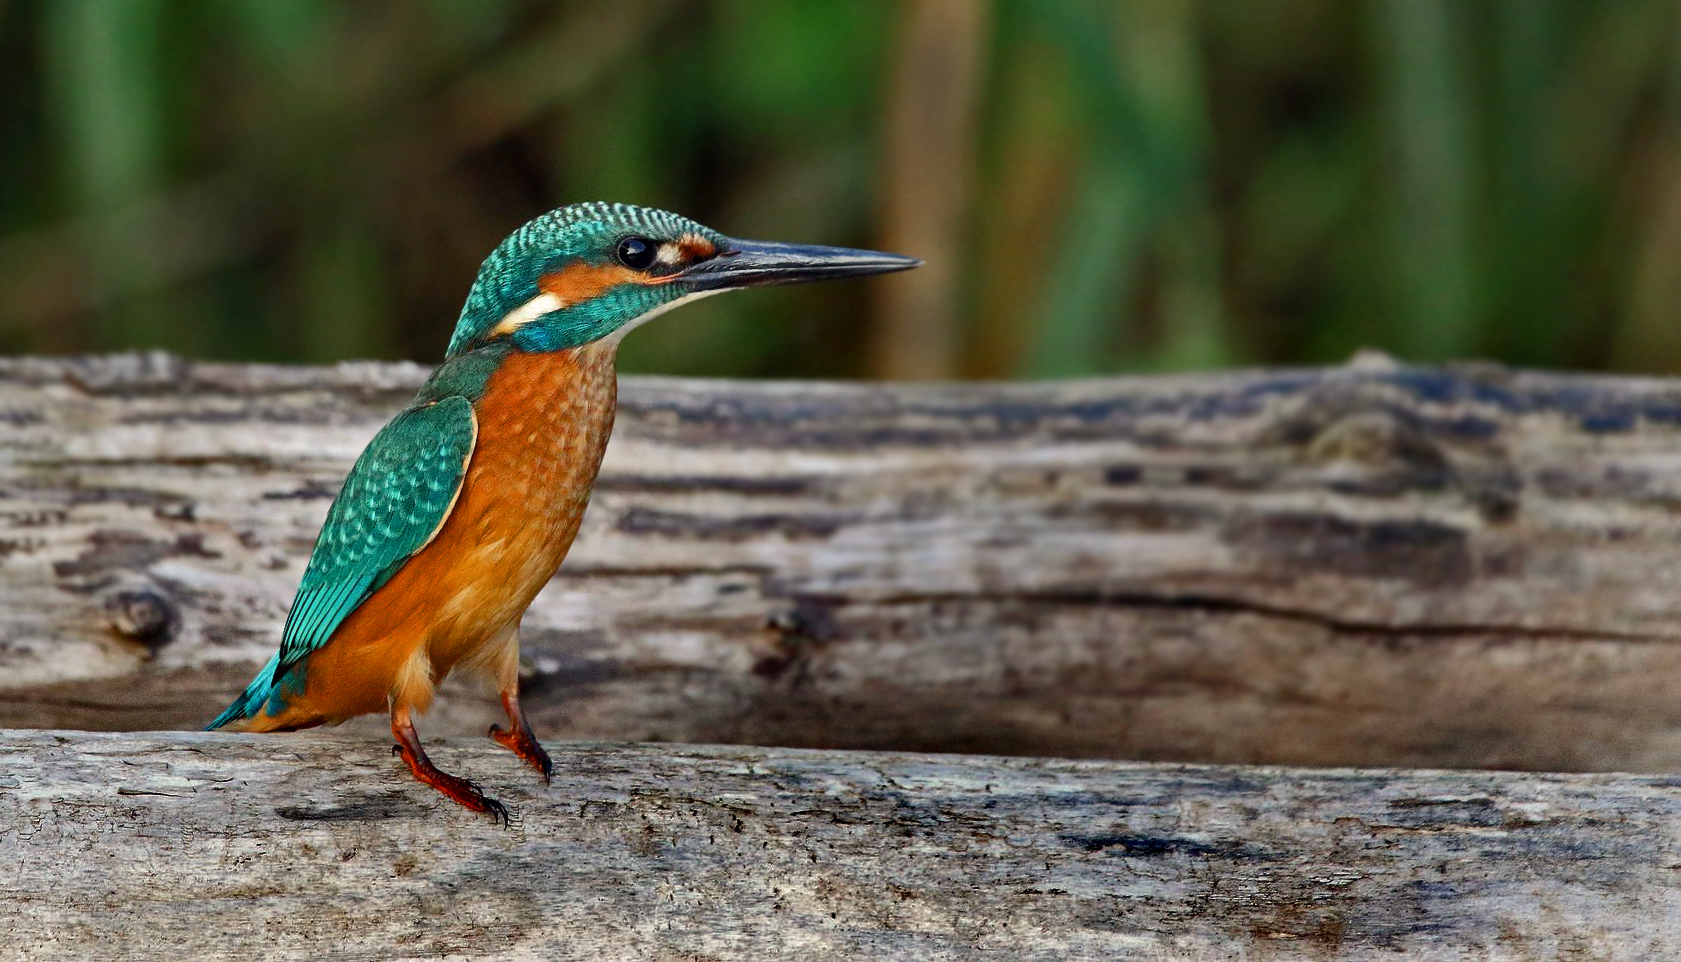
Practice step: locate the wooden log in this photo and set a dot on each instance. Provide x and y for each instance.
(1364, 565)
(317, 846)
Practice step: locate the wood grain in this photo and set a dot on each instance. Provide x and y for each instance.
(316, 846)
(1368, 565)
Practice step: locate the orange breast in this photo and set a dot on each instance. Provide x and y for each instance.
(544, 421)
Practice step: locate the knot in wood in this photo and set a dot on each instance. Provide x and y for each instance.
(808, 625)
(1374, 438)
(145, 616)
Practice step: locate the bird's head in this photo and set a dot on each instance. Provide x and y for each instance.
(588, 272)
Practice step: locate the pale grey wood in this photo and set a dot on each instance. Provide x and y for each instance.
(316, 846)
(1360, 565)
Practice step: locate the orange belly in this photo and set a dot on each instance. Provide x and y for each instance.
(544, 421)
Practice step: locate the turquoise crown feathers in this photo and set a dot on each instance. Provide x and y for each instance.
(585, 232)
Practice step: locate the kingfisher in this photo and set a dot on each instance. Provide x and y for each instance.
(462, 507)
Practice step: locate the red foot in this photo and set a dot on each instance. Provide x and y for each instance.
(517, 737)
(523, 743)
(454, 787)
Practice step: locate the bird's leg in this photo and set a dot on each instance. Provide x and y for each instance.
(518, 737)
(458, 789)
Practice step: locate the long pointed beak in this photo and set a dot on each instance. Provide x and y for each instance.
(756, 263)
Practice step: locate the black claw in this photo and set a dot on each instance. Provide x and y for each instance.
(497, 811)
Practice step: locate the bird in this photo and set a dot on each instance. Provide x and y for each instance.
(463, 506)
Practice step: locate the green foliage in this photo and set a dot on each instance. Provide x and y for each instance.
(1152, 184)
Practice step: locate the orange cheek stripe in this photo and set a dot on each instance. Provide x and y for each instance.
(577, 283)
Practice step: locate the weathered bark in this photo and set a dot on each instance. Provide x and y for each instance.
(317, 846)
(1368, 565)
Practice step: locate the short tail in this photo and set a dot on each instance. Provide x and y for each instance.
(252, 699)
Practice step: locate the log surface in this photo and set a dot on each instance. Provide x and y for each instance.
(1370, 565)
(317, 846)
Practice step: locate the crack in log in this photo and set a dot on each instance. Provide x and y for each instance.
(1216, 604)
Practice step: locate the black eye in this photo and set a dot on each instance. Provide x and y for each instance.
(636, 253)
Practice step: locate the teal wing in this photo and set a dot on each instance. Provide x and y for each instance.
(396, 498)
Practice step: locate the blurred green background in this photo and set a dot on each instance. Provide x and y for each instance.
(1099, 186)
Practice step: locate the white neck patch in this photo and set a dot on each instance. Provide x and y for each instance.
(524, 314)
